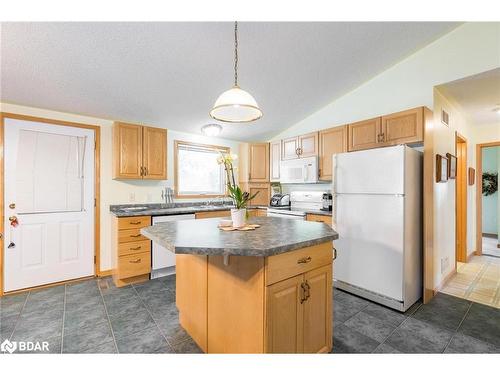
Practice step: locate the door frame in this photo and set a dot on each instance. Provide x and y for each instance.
(479, 193)
(462, 196)
(97, 183)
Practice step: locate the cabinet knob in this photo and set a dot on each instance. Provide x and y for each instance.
(135, 261)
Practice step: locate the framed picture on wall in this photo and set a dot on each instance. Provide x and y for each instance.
(472, 176)
(452, 166)
(441, 168)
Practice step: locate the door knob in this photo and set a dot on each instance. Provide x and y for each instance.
(13, 221)
(12, 206)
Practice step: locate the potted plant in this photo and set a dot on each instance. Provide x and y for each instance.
(239, 197)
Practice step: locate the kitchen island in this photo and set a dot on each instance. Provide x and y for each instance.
(263, 291)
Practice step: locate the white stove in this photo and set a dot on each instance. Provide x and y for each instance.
(300, 202)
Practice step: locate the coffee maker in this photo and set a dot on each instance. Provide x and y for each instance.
(327, 202)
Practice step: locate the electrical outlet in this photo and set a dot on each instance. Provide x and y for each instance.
(131, 197)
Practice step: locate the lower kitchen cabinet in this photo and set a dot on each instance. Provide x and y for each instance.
(210, 214)
(320, 218)
(131, 250)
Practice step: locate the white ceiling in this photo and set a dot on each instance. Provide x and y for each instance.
(478, 96)
(169, 74)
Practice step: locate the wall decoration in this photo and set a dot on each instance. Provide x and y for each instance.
(472, 176)
(490, 183)
(452, 166)
(441, 168)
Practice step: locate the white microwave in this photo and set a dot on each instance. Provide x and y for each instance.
(299, 171)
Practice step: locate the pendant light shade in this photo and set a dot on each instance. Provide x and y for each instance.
(236, 105)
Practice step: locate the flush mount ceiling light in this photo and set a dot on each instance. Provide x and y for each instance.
(211, 130)
(236, 105)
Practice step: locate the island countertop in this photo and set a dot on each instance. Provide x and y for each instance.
(203, 237)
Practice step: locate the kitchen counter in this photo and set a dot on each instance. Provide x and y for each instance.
(275, 236)
(262, 291)
(161, 209)
(307, 211)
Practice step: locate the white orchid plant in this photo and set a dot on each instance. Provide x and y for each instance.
(240, 197)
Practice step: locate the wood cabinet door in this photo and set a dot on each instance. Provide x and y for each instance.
(127, 151)
(308, 145)
(364, 134)
(285, 316)
(403, 127)
(289, 148)
(331, 141)
(317, 330)
(155, 153)
(258, 162)
(275, 161)
(263, 197)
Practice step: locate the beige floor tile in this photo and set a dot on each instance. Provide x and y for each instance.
(480, 298)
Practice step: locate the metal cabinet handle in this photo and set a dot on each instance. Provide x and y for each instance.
(135, 235)
(334, 253)
(136, 248)
(302, 292)
(145, 171)
(304, 260)
(134, 222)
(142, 171)
(135, 261)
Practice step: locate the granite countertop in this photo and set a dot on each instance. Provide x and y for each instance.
(315, 212)
(203, 237)
(159, 209)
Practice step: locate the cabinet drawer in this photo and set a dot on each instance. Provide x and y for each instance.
(134, 222)
(211, 214)
(282, 266)
(134, 265)
(130, 235)
(129, 248)
(319, 218)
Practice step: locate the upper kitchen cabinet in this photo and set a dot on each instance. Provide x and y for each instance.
(253, 162)
(331, 141)
(275, 155)
(299, 147)
(365, 134)
(403, 127)
(139, 152)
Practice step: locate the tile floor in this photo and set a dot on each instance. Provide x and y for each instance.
(95, 317)
(478, 281)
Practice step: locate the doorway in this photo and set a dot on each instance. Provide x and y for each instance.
(50, 202)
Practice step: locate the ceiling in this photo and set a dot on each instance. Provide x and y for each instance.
(478, 96)
(169, 74)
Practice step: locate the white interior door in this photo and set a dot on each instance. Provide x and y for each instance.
(49, 188)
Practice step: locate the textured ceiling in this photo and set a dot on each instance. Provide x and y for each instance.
(478, 95)
(169, 74)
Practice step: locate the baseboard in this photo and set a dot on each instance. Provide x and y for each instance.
(105, 273)
(490, 235)
(445, 280)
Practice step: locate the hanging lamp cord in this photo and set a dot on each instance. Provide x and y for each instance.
(236, 53)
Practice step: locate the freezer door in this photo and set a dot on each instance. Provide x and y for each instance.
(371, 242)
(377, 171)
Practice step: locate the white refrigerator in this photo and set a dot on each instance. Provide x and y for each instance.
(377, 211)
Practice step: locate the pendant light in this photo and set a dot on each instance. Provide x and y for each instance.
(236, 105)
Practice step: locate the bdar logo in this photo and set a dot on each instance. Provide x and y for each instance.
(8, 346)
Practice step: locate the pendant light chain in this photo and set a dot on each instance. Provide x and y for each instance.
(236, 53)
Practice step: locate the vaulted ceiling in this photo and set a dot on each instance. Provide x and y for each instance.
(169, 74)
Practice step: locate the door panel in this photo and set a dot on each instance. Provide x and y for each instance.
(318, 311)
(284, 316)
(308, 145)
(331, 141)
(54, 240)
(275, 161)
(364, 134)
(364, 252)
(127, 144)
(259, 162)
(155, 153)
(378, 171)
(263, 196)
(289, 148)
(403, 127)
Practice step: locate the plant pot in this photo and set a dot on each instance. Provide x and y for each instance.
(239, 217)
